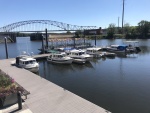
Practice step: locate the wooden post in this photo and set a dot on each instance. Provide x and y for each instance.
(19, 101)
(6, 48)
(43, 48)
(84, 37)
(46, 38)
(95, 39)
(74, 45)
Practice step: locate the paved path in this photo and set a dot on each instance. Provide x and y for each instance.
(47, 97)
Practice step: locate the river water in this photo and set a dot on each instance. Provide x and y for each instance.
(120, 85)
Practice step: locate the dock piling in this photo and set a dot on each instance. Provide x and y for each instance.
(95, 40)
(6, 50)
(46, 38)
(19, 101)
(43, 48)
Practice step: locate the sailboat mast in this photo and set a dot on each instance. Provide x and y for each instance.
(123, 18)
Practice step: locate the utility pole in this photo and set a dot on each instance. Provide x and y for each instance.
(123, 18)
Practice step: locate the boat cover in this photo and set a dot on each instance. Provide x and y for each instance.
(122, 47)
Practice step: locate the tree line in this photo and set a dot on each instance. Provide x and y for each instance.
(142, 30)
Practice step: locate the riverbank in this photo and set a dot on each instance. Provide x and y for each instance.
(98, 37)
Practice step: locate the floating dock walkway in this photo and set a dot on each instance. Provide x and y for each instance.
(45, 96)
(41, 56)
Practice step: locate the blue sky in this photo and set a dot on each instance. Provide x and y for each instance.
(98, 13)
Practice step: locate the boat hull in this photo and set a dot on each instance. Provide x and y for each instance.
(60, 61)
(107, 54)
(33, 69)
(116, 51)
(96, 55)
(79, 61)
(89, 58)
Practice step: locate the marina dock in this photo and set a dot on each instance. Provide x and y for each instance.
(45, 96)
(41, 56)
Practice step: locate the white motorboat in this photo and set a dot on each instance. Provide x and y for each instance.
(117, 48)
(79, 54)
(59, 58)
(27, 62)
(94, 51)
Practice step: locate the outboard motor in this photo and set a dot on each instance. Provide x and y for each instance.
(138, 49)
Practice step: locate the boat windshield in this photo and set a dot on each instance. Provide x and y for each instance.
(64, 55)
(60, 56)
(30, 62)
(80, 53)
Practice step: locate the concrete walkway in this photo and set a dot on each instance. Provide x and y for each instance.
(14, 108)
(45, 96)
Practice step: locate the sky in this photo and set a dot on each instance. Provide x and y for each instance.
(98, 13)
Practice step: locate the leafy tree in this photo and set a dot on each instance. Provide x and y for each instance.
(119, 30)
(134, 32)
(127, 28)
(111, 30)
(78, 34)
(143, 28)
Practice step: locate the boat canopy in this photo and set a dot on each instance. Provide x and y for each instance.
(131, 41)
(122, 47)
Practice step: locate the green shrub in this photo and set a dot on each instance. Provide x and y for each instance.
(5, 81)
(7, 86)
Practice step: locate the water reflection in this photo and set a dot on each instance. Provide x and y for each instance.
(82, 67)
(51, 69)
(98, 60)
(145, 50)
(60, 68)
